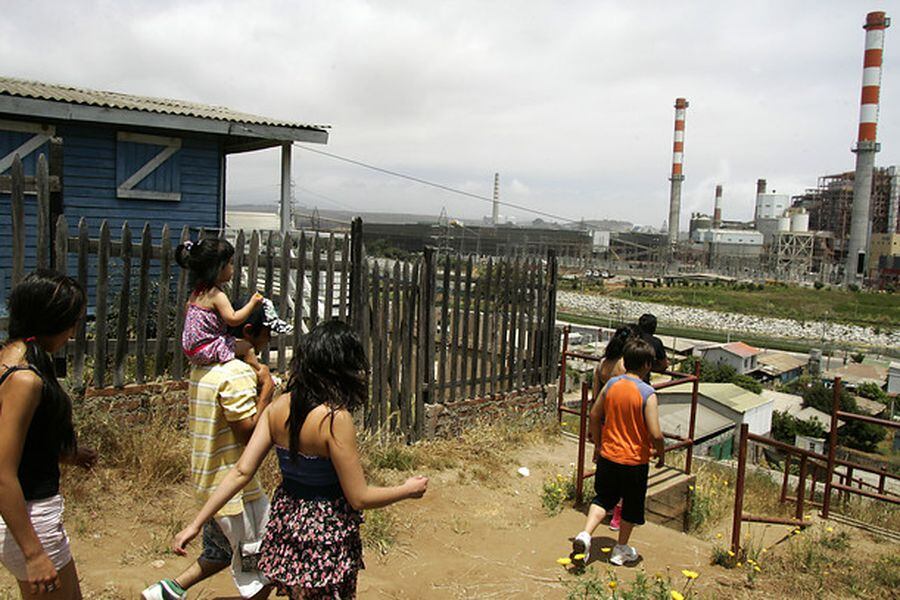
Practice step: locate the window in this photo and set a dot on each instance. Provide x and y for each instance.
(148, 167)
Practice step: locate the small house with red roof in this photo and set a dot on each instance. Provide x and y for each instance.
(741, 356)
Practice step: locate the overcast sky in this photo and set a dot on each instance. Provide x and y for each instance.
(571, 102)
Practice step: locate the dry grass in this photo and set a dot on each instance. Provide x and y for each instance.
(828, 560)
(479, 453)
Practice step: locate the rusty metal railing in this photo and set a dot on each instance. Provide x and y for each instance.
(586, 400)
(818, 462)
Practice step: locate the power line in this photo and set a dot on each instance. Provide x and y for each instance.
(436, 185)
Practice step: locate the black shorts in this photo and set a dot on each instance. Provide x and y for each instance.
(628, 483)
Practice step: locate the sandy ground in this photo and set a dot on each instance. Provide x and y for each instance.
(463, 540)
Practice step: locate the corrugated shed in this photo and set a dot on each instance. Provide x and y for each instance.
(60, 93)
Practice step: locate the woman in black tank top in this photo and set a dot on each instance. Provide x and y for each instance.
(36, 433)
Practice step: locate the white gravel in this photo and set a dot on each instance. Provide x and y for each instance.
(683, 316)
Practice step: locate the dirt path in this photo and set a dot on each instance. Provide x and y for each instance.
(464, 540)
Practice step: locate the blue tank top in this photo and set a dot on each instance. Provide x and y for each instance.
(308, 477)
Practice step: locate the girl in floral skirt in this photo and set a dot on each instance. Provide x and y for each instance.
(312, 548)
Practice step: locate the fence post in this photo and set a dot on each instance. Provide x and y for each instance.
(695, 388)
(429, 276)
(801, 488)
(43, 213)
(121, 349)
(582, 443)
(61, 245)
(784, 481)
(832, 446)
(739, 490)
(181, 296)
(562, 374)
(551, 338)
(100, 326)
(162, 304)
(17, 199)
(357, 299)
(81, 331)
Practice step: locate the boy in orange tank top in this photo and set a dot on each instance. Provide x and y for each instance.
(624, 425)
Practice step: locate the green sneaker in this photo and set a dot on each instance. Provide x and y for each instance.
(165, 589)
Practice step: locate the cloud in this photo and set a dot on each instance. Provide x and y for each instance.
(571, 102)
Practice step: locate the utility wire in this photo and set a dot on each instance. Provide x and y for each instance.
(437, 185)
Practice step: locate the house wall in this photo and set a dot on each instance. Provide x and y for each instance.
(720, 356)
(90, 156)
(93, 165)
(893, 385)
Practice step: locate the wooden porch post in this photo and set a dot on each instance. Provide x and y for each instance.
(285, 207)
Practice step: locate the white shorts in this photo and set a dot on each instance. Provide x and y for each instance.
(243, 535)
(46, 518)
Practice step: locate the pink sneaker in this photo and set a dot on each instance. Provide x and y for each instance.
(616, 518)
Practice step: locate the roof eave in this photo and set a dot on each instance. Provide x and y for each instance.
(66, 111)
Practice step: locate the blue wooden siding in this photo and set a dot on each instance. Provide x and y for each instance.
(9, 141)
(90, 156)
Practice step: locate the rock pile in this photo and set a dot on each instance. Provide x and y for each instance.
(683, 316)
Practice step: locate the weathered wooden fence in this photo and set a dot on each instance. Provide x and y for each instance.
(436, 329)
(451, 328)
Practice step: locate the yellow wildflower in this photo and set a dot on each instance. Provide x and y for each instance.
(829, 529)
(612, 585)
(764, 550)
(718, 536)
(676, 595)
(740, 564)
(564, 561)
(690, 574)
(757, 569)
(730, 553)
(690, 487)
(578, 557)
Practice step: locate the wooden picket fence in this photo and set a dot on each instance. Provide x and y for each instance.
(450, 329)
(436, 329)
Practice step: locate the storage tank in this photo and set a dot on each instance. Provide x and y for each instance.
(800, 222)
(784, 224)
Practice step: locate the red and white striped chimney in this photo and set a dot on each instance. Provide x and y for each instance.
(677, 170)
(717, 208)
(866, 147)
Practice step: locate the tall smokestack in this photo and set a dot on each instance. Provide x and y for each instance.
(495, 210)
(866, 147)
(677, 173)
(894, 200)
(717, 208)
(760, 190)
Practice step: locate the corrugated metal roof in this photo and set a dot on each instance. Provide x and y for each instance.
(726, 394)
(741, 349)
(72, 95)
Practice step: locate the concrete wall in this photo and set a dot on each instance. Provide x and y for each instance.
(133, 403)
(451, 418)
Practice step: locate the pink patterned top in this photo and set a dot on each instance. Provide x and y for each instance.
(205, 339)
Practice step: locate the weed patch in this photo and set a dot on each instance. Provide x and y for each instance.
(556, 492)
(606, 586)
(379, 530)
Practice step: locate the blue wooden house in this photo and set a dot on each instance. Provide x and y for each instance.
(121, 157)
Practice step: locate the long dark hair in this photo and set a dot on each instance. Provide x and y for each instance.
(329, 367)
(47, 303)
(615, 348)
(204, 260)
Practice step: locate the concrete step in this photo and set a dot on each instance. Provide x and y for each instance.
(668, 491)
(668, 497)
